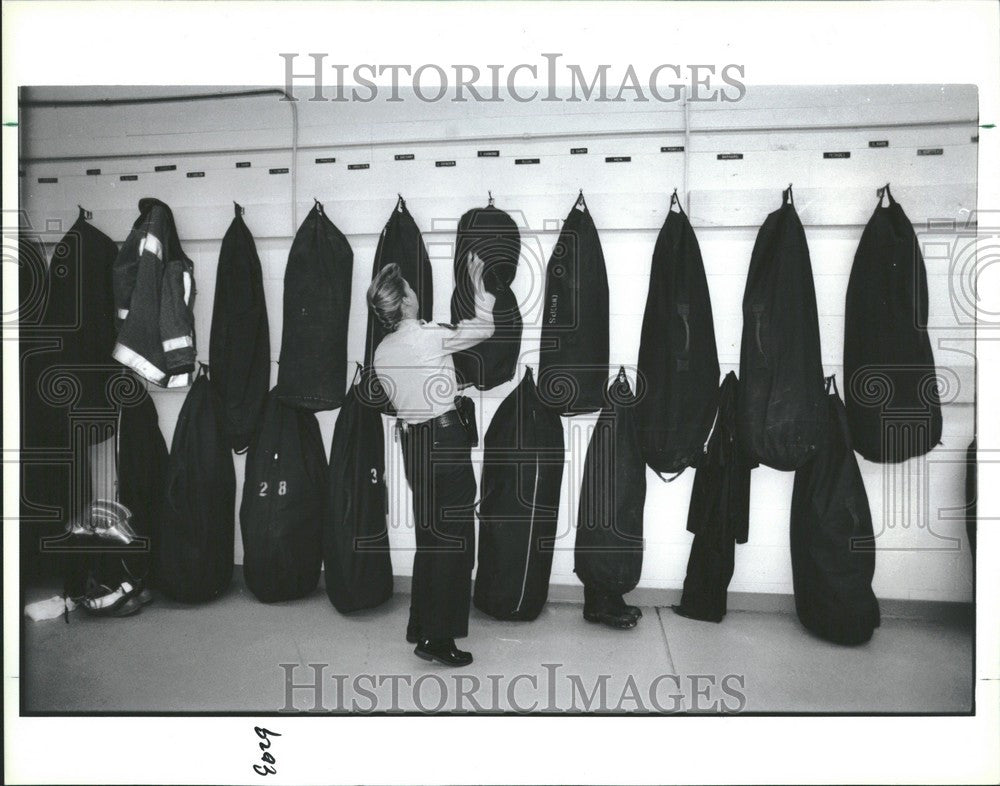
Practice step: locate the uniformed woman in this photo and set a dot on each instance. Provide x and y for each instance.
(414, 365)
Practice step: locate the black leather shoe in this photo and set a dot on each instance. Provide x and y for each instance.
(602, 608)
(622, 606)
(412, 632)
(443, 651)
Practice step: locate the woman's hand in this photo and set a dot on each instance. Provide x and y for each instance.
(483, 300)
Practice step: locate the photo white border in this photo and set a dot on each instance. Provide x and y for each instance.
(238, 43)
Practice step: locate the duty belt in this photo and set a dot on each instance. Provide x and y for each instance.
(445, 420)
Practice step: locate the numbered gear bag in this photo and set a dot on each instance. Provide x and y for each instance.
(282, 508)
(356, 560)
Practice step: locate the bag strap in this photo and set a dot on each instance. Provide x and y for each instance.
(885, 192)
(675, 201)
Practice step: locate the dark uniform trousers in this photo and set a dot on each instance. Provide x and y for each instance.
(438, 467)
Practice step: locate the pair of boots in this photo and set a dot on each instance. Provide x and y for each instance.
(443, 651)
(609, 609)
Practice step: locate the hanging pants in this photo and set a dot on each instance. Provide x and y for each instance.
(438, 467)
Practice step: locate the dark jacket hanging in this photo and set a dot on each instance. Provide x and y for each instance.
(356, 560)
(609, 540)
(522, 474)
(574, 351)
(678, 361)
(493, 236)
(781, 417)
(240, 343)
(718, 516)
(891, 396)
(402, 244)
(194, 553)
(832, 542)
(282, 509)
(312, 367)
(154, 296)
(67, 333)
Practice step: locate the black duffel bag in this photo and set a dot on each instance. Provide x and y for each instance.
(609, 540)
(357, 567)
(240, 342)
(781, 408)
(194, 553)
(832, 541)
(312, 368)
(678, 361)
(281, 515)
(493, 236)
(401, 243)
(574, 350)
(522, 474)
(893, 406)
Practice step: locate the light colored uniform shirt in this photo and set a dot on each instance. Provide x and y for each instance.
(415, 366)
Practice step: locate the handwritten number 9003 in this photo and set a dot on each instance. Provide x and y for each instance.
(266, 768)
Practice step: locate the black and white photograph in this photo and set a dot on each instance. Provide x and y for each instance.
(583, 373)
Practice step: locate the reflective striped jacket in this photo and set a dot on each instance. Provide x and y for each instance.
(154, 293)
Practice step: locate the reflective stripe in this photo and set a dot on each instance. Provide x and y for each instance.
(178, 343)
(179, 381)
(152, 244)
(122, 313)
(136, 361)
(531, 532)
(187, 288)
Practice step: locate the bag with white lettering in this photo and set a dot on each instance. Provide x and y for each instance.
(357, 568)
(574, 349)
(282, 510)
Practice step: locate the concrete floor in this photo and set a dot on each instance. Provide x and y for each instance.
(228, 656)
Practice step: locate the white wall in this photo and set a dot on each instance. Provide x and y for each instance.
(782, 132)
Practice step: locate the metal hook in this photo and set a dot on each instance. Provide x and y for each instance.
(490, 203)
(318, 205)
(400, 203)
(238, 208)
(673, 199)
(84, 213)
